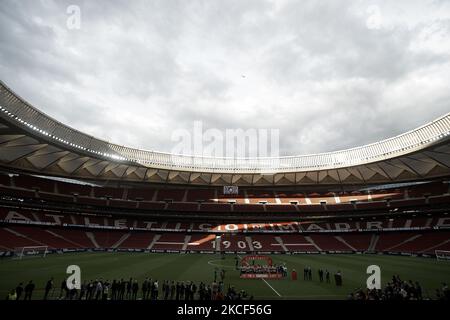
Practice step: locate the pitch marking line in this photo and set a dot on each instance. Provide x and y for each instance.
(211, 262)
(271, 287)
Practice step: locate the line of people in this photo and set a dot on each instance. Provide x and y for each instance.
(324, 275)
(263, 269)
(131, 290)
(398, 289)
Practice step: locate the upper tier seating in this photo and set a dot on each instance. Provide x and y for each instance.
(256, 197)
(72, 188)
(140, 194)
(215, 207)
(212, 200)
(288, 197)
(204, 195)
(106, 192)
(170, 195)
(248, 208)
(30, 182)
(280, 208)
(5, 180)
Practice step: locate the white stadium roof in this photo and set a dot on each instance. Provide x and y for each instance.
(32, 141)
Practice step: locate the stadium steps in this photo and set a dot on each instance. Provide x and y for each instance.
(18, 234)
(336, 198)
(187, 239)
(250, 243)
(403, 242)
(121, 240)
(313, 243)
(281, 243)
(154, 241)
(435, 246)
(35, 216)
(91, 237)
(155, 195)
(63, 238)
(218, 244)
(277, 198)
(246, 199)
(346, 243)
(72, 218)
(373, 243)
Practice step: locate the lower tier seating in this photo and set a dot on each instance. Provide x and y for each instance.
(14, 236)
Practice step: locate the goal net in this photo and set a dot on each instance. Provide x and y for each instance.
(31, 251)
(442, 254)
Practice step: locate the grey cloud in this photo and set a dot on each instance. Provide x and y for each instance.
(137, 70)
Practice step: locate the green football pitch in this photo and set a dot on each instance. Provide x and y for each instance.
(200, 267)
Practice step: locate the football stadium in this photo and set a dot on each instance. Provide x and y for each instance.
(218, 226)
(88, 218)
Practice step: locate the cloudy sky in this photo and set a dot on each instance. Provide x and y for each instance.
(328, 74)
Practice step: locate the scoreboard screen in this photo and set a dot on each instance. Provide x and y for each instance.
(230, 190)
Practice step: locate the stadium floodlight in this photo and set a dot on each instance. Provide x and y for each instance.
(30, 251)
(442, 254)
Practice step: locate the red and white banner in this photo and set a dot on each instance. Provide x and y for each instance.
(261, 276)
(246, 259)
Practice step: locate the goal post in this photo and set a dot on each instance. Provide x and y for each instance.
(442, 254)
(30, 251)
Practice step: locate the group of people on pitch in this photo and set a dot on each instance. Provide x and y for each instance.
(398, 289)
(129, 290)
(324, 275)
(27, 292)
(264, 269)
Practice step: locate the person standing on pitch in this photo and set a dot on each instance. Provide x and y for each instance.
(29, 290)
(172, 290)
(144, 289)
(19, 291)
(48, 287)
(135, 289)
(12, 295)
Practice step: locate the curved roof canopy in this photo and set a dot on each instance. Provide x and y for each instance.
(31, 140)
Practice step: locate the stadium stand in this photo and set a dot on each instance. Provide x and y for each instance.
(77, 216)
